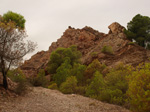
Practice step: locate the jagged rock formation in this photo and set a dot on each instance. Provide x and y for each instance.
(90, 41)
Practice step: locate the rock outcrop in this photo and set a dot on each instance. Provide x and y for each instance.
(89, 42)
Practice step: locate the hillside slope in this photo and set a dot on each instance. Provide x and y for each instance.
(46, 100)
(89, 41)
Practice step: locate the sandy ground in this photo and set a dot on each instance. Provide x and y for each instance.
(46, 100)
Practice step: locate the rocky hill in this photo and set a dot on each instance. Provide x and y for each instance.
(89, 42)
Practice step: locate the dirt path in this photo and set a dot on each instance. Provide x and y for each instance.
(45, 100)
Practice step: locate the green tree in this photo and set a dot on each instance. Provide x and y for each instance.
(62, 72)
(92, 68)
(60, 55)
(138, 29)
(78, 70)
(13, 47)
(96, 85)
(14, 17)
(116, 85)
(69, 86)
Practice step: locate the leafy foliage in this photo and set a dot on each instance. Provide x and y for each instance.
(96, 85)
(53, 86)
(78, 70)
(139, 29)
(69, 86)
(18, 77)
(92, 68)
(107, 49)
(61, 55)
(116, 85)
(40, 79)
(139, 88)
(16, 18)
(62, 72)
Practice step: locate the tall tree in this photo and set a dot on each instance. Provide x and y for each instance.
(60, 55)
(139, 30)
(13, 47)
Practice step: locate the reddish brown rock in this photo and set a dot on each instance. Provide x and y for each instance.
(115, 28)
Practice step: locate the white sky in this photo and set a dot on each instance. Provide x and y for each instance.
(46, 20)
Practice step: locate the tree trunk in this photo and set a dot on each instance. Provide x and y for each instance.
(5, 84)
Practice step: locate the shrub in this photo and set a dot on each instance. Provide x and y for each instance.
(96, 85)
(107, 49)
(112, 96)
(116, 85)
(62, 73)
(53, 86)
(78, 70)
(40, 79)
(22, 87)
(18, 77)
(94, 54)
(139, 88)
(69, 86)
(60, 55)
(116, 79)
(81, 90)
(92, 68)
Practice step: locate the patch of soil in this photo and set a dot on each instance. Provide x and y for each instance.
(46, 100)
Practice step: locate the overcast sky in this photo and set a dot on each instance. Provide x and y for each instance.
(46, 20)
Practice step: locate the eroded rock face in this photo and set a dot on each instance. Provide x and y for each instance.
(115, 28)
(89, 41)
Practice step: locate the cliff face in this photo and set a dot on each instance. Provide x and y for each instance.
(90, 42)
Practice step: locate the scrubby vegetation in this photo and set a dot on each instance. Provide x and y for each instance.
(18, 77)
(107, 49)
(39, 80)
(122, 85)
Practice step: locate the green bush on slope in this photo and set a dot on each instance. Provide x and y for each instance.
(139, 88)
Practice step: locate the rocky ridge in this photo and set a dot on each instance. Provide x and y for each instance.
(88, 42)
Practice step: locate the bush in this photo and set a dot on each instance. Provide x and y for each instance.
(94, 54)
(69, 86)
(139, 88)
(92, 68)
(96, 85)
(53, 86)
(60, 55)
(116, 79)
(116, 85)
(107, 49)
(22, 87)
(18, 77)
(81, 90)
(112, 96)
(62, 73)
(78, 71)
(40, 79)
